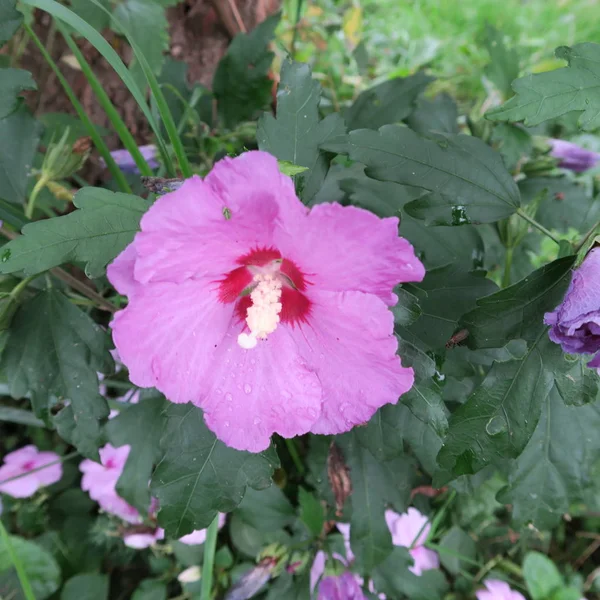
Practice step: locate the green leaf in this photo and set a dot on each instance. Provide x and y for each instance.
(375, 485)
(499, 418)
(297, 131)
(19, 415)
(439, 114)
(150, 589)
(20, 133)
(556, 468)
(504, 65)
(579, 384)
(393, 578)
(407, 309)
(90, 13)
(555, 93)
(146, 22)
(140, 426)
(290, 169)
(240, 85)
(467, 179)
(95, 234)
(517, 312)
(541, 576)
(512, 142)
(199, 475)
(458, 543)
(311, 511)
(266, 509)
(389, 102)
(10, 20)
(14, 81)
(54, 348)
(41, 569)
(86, 586)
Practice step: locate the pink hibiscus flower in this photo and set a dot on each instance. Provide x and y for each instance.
(498, 590)
(100, 481)
(25, 460)
(268, 316)
(198, 536)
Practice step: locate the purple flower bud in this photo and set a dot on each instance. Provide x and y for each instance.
(126, 163)
(343, 587)
(572, 156)
(576, 322)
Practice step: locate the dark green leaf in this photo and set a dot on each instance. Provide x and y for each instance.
(54, 348)
(389, 102)
(297, 131)
(555, 93)
(555, 469)
(375, 485)
(311, 511)
(87, 586)
(290, 587)
(19, 415)
(199, 475)
(579, 384)
(458, 543)
(439, 114)
(150, 589)
(95, 234)
(140, 426)
(517, 312)
(499, 418)
(512, 142)
(467, 178)
(407, 309)
(541, 576)
(16, 157)
(10, 20)
(90, 13)
(14, 81)
(266, 510)
(504, 65)
(240, 84)
(41, 569)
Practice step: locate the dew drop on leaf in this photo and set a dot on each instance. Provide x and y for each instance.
(496, 425)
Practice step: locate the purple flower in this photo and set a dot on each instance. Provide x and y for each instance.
(342, 587)
(498, 590)
(572, 156)
(126, 163)
(26, 460)
(576, 321)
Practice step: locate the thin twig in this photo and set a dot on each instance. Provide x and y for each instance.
(237, 15)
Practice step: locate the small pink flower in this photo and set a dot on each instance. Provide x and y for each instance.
(100, 481)
(268, 316)
(410, 529)
(198, 536)
(342, 587)
(23, 461)
(498, 590)
(140, 541)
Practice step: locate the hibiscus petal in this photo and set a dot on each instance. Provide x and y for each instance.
(349, 341)
(168, 335)
(23, 487)
(120, 271)
(424, 560)
(343, 248)
(50, 474)
(255, 393)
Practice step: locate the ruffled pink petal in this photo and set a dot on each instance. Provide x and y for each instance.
(344, 529)
(120, 271)
(22, 455)
(168, 337)
(424, 559)
(317, 569)
(50, 474)
(408, 529)
(255, 393)
(344, 248)
(139, 541)
(349, 341)
(498, 590)
(23, 487)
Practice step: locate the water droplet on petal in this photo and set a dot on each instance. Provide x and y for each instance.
(219, 391)
(228, 397)
(345, 406)
(247, 388)
(257, 421)
(226, 423)
(312, 413)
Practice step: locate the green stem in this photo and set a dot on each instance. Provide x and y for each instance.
(295, 32)
(291, 446)
(16, 291)
(507, 266)
(119, 385)
(16, 561)
(39, 186)
(210, 546)
(50, 464)
(537, 225)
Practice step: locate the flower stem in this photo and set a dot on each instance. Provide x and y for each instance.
(537, 225)
(291, 446)
(39, 186)
(507, 266)
(210, 546)
(16, 561)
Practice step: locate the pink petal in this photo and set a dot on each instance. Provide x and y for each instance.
(498, 590)
(349, 341)
(255, 393)
(168, 336)
(198, 536)
(424, 559)
(409, 528)
(50, 474)
(343, 248)
(120, 271)
(140, 541)
(19, 488)
(22, 455)
(344, 529)
(317, 569)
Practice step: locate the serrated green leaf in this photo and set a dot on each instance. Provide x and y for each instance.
(41, 569)
(296, 133)
(541, 576)
(240, 85)
(86, 586)
(140, 426)
(517, 312)
(555, 93)
(95, 234)
(512, 142)
(468, 180)
(199, 475)
(146, 22)
(14, 81)
(53, 348)
(375, 485)
(579, 384)
(16, 157)
(504, 66)
(439, 114)
(555, 469)
(499, 418)
(10, 20)
(290, 169)
(388, 102)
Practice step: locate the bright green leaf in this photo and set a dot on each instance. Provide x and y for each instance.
(13, 82)
(541, 576)
(86, 586)
(95, 234)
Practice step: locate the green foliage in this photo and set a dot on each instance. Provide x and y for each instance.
(504, 67)
(10, 20)
(439, 114)
(14, 81)
(545, 96)
(88, 586)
